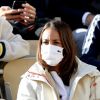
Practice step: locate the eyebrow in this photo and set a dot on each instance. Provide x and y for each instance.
(56, 40)
(53, 40)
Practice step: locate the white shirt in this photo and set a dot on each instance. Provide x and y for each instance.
(63, 90)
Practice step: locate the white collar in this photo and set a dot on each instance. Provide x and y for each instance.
(63, 90)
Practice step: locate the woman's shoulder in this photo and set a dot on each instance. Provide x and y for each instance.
(34, 70)
(36, 67)
(84, 68)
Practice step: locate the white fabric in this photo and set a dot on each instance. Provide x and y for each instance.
(15, 46)
(63, 90)
(51, 54)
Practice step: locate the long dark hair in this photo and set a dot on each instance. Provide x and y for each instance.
(68, 65)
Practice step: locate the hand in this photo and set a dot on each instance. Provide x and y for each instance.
(89, 19)
(29, 13)
(10, 14)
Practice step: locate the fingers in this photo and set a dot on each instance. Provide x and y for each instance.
(28, 6)
(4, 8)
(27, 19)
(10, 14)
(29, 12)
(13, 17)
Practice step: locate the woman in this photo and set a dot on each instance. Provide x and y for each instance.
(58, 74)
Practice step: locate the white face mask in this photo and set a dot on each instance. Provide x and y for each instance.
(51, 54)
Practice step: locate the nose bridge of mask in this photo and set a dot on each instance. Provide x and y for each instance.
(51, 49)
(45, 48)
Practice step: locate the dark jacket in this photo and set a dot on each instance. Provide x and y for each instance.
(91, 47)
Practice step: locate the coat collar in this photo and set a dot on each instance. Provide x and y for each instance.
(36, 72)
(84, 69)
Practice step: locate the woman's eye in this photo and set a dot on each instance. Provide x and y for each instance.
(45, 42)
(56, 43)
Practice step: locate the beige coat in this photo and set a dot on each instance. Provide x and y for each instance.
(37, 84)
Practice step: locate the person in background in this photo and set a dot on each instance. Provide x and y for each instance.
(78, 15)
(11, 46)
(91, 48)
(58, 72)
(22, 19)
(48, 9)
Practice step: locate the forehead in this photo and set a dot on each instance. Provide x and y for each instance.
(50, 33)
